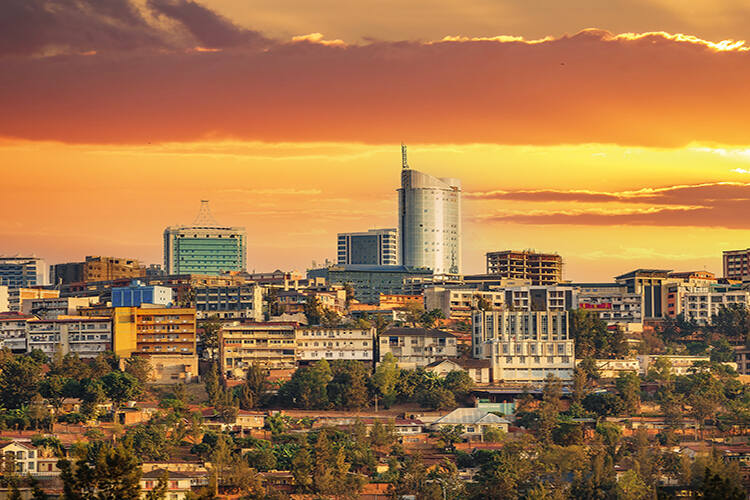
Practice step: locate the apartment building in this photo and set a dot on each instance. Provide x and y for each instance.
(539, 268)
(230, 302)
(524, 347)
(97, 268)
(417, 347)
(51, 308)
(701, 303)
(737, 264)
(86, 337)
(457, 303)
(612, 303)
(13, 331)
(167, 335)
(316, 342)
(649, 283)
(4, 304)
(271, 345)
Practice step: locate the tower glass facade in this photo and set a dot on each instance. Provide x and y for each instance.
(430, 222)
(377, 247)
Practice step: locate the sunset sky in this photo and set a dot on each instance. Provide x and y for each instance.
(615, 133)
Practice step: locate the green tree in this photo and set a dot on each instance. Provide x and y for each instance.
(255, 388)
(19, 381)
(632, 487)
(323, 476)
(604, 404)
(732, 320)
(106, 472)
(592, 337)
(386, 378)
(302, 467)
(459, 383)
(722, 351)
(347, 388)
(313, 310)
(629, 386)
(549, 409)
(140, 368)
(120, 387)
(159, 492)
(430, 318)
(209, 336)
(211, 382)
(449, 435)
(308, 387)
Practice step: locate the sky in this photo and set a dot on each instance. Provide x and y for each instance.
(614, 133)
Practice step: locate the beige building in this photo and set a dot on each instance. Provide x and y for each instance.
(613, 368)
(415, 347)
(271, 345)
(524, 347)
(86, 337)
(97, 268)
(475, 422)
(478, 369)
(737, 264)
(4, 304)
(316, 342)
(13, 331)
(701, 303)
(50, 308)
(18, 296)
(681, 365)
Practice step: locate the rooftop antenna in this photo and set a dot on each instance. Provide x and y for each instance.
(204, 218)
(403, 156)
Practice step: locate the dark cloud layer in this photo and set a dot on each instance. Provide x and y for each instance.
(724, 204)
(151, 81)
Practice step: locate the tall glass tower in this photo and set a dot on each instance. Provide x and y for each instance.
(429, 221)
(205, 247)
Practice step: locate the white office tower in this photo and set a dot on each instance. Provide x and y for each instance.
(429, 221)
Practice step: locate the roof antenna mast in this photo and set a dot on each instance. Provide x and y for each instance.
(204, 218)
(403, 156)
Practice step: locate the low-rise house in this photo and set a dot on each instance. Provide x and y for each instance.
(612, 368)
(478, 369)
(474, 421)
(417, 347)
(178, 483)
(24, 456)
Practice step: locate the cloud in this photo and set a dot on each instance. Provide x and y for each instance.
(151, 79)
(719, 204)
(276, 191)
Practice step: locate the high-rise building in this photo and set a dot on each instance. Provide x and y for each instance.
(737, 264)
(17, 272)
(97, 268)
(376, 247)
(429, 221)
(538, 268)
(205, 247)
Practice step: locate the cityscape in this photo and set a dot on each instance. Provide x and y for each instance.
(222, 278)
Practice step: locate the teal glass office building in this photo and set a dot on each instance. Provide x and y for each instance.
(204, 250)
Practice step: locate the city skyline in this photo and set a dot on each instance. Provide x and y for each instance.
(614, 136)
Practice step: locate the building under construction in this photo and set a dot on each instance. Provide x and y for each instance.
(538, 268)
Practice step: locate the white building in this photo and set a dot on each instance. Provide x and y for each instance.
(19, 272)
(612, 303)
(524, 347)
(4, 304)
(417, 347)
(429, 221)
(316, 342)
(377, 247)
(85, 336)
(230, 302)
(13, 331)
(701, 303)
(23, 454)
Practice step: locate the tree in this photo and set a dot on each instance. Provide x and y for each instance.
(386, 378)
(302, 466)
(255, 388)
(159, 492)
(313, 310)
(604, 404)
(459, 383)
(446, 475)
(449, 435)
(140, 368)
(347, 388)
(106, 472)
(120, 387)
(413, 312)
(722, 351)
(592, 337)
(226, 405)
(19, 381)
(323, 478)
(632, 487)
(211, 382)
(629, 386)
(308, 387)
(437, 398)
(597, 480)
(52, 387)
(210, 335)
(733, 321)
(92, 394)
(549, 410)
(430, 318)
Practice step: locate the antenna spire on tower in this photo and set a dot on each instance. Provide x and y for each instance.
(204, 218)
(403, 156)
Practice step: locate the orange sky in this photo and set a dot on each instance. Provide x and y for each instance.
(616, 150)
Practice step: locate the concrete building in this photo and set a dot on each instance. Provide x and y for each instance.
(20, 272)
(742, 358)
(613, 368)
(701, 303)
(204, 247)
(737, 264)
(316, 342)
(97, 268)
(270, 345)
(612, 303)
(429, 221)
(23, 455)
(538, 268)
(478, 369)
(680, 365)
(13, 331)
(415, 347)
(17, 297)
(524, 347)
(51, 308)
(649, 284)
(230, 302)
(376, 247)
(137, 293)
(86, 337)
(474, 421)
(368, 281)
